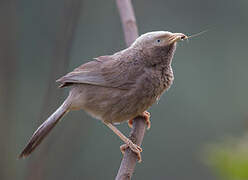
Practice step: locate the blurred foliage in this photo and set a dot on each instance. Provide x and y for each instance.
(230, 158)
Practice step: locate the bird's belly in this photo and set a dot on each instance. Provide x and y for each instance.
(110, 104)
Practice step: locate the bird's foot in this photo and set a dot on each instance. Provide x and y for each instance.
(146, 115)
(134, 147)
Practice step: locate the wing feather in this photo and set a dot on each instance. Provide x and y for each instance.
(104, 71)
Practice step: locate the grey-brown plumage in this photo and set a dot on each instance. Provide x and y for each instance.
(118, 87)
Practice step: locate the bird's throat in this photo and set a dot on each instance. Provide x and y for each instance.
(162, 56)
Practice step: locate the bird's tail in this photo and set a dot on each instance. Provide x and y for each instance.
(44, 129)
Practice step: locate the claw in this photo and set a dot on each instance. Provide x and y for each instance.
(134, 147)
(130, 123)
(146, 115)
(123, 148)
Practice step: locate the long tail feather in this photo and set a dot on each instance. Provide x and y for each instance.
(44, 129)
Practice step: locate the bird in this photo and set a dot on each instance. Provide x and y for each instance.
(117, 88)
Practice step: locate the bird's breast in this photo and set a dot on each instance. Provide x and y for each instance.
(160, 79)
(152, 85)
(166, 77)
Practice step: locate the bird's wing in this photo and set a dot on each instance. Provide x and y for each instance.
(104, 71)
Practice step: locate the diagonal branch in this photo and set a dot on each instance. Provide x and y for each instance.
(128, 20)
(137, 134)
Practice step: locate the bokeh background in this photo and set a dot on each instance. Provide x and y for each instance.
(198, 127)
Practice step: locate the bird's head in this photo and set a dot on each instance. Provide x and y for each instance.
(158, 44)
(158, 39)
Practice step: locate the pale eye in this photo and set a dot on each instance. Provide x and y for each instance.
(158, 40)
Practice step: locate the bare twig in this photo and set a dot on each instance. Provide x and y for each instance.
(137, 134)
(128, 20)
(129, 159)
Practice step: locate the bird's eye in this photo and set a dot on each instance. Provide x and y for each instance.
(158, 40)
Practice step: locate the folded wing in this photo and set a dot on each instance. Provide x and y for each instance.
(104, 71)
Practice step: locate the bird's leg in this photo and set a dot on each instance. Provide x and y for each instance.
(128, 143)
(146, 115)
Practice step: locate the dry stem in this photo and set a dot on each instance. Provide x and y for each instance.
(137, 134)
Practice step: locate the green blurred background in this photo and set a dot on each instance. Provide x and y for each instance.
(42, 40)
